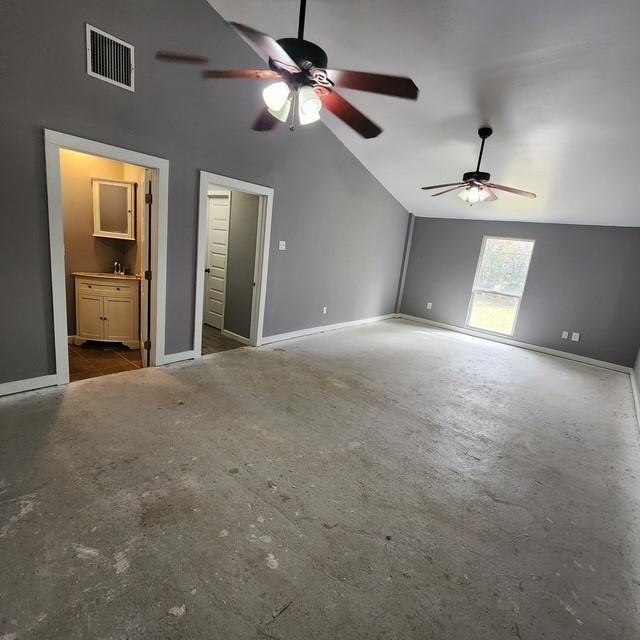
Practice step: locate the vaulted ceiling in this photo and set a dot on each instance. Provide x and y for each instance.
(556, 79)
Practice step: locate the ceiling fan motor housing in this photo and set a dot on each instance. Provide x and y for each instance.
(304, 53)
(478, 176)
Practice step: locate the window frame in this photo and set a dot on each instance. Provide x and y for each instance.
(475, 289)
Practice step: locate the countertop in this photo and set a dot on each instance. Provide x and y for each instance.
(110, 276)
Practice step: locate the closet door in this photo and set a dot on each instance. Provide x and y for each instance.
(119, 316)
(89, 316)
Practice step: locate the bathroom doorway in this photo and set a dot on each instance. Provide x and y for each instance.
(107, 221)
(233, 233)
(106, 254)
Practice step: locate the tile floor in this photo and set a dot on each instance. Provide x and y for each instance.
(94, 359)
(213, 341)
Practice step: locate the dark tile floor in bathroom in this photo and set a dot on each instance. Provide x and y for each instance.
(94, 359)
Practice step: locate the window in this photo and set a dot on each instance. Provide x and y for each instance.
(499, 284)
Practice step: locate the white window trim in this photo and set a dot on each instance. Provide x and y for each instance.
(475, 288)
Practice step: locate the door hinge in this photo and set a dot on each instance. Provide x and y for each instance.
(147, 275)
(148, 198)
(146, 345)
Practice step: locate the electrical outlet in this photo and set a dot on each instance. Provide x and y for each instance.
(282, 245)
(575, 336)
(324, 311)
(429, 305)
(565, 335)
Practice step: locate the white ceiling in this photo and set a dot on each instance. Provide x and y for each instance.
(556, 79)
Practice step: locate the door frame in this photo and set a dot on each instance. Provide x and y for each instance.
(265, 213)
(54, 141)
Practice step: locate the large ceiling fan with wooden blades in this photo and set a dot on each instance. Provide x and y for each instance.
(304, 84)
(475, 185)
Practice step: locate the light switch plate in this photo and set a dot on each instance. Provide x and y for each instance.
(282, 245)
(324, 311)
(565, 335)
(575, 336)
(429, 305)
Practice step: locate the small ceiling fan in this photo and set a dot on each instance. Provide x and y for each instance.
(475, 185)
(304, 83)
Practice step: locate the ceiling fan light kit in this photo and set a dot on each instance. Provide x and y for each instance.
(475, 186)
(304, 85)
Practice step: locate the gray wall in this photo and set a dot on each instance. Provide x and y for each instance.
(344, 232)
(581, 278)
(241, 260)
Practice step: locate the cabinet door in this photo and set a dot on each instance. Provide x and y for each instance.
(89, 316)
(118, 319)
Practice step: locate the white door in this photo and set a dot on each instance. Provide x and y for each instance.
(216, 263)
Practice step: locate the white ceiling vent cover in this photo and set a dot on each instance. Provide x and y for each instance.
(110, 59)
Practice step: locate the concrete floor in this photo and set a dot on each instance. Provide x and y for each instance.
(389, 481)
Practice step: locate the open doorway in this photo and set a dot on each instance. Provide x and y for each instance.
(107, 237)
(106, 231)
(233, 234)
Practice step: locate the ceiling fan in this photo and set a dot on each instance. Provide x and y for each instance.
(304, 83)
(475, 185)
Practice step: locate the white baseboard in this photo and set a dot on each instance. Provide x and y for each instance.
(170, 358)
(636, 395)
(70, 339)
(322, 329)
(17, 386)
(235, 336)
(517, 343)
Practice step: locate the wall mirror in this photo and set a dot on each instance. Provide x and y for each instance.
(113, 209)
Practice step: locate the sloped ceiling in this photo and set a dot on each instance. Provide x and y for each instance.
(556, 79)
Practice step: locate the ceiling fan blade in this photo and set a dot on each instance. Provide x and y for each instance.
(374, 83)
(492, 195)
(173, 56)
(433, 195)
(264, 122)
(267, 47)
(440, 186)
(247, 73)
(518, 192)
(350, 115)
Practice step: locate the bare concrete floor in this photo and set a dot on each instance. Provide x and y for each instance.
(390, 481)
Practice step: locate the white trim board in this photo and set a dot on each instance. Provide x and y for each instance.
(279, 337)
(28, 384)
(53, 142)
(262, 254)
(636, 395)
(515, 343)
(234, 336)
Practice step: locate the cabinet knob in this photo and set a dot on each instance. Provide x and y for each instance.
(89, 286)
(118, 288)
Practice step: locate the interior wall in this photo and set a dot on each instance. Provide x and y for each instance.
(83, 250)
(636, 371)
(133, 250)
(241, 259)
(581, 278)
(344, 231)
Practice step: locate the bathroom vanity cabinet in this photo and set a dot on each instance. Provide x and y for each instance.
(107, 308)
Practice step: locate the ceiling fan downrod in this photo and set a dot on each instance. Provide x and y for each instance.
(303, 10)
(484, 133)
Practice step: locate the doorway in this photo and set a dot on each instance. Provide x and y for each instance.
(114, 314)
(233, 237)
(106, 258)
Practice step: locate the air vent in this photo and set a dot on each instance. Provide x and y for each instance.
(109, 58)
